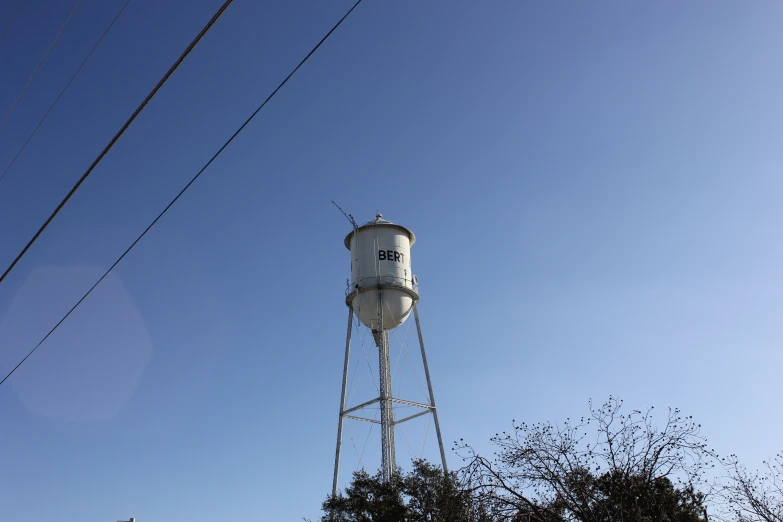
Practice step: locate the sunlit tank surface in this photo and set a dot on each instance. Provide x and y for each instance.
(382, 285)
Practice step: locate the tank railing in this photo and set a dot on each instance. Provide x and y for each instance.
(388, 280)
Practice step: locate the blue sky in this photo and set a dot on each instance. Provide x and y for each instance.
(594, 188)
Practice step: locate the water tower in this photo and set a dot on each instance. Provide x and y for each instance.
(382, 293)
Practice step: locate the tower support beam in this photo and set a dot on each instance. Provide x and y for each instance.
(385, 398)
(342, 402)
(388, 459)
(429, 387)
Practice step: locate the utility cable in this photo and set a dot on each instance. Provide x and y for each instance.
(46, 54)
(119, 133)
(13, 15)
(424, 438)
(78, 70)
(375, 413)
(193, 179)
(407, 357)
(407, 444)
(356, 373)
(366, 356)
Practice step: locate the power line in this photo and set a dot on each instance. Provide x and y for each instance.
(78, 70)
(119, 133)
(46, 54)
(181, 192)
(13, 15)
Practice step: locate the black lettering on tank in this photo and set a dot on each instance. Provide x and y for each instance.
(381, 255)
(397, 256)
(390, 255)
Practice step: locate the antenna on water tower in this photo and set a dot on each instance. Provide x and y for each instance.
(382, 294)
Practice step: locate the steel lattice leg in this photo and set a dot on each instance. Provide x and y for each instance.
(429, 386)
(342, 402)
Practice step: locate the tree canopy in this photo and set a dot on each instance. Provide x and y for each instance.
(609, 466)
(424, 494)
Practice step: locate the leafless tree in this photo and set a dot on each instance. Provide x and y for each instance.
(752, 496)
(608, 466)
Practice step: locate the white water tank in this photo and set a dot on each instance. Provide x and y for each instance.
(382, 285)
